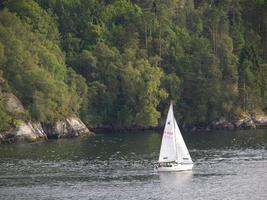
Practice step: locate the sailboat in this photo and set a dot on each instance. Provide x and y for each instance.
(174, 155)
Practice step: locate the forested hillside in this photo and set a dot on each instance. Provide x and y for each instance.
(118, 63)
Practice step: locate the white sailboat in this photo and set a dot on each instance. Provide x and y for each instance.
(174, 155)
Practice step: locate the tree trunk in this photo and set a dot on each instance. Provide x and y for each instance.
(160, 42)
(145, 34)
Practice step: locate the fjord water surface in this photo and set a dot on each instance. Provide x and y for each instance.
(228, 165)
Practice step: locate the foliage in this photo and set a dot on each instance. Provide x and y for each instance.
(127, 59)
(36, 72)
(6, 119)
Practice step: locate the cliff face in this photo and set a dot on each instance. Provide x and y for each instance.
(70, 127)
(35, 131)
(13, 104)
(25, 132)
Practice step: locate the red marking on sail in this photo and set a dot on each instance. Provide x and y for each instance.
(168, 133)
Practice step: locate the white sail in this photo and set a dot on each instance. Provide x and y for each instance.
(183, 155)
(168, 146)
(174, 155)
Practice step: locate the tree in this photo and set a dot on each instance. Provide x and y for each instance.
(37, 74)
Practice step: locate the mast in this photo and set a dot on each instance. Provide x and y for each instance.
(175, 135)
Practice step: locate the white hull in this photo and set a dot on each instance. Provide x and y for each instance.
(174, 168)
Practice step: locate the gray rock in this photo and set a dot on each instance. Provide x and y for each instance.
(31, 132)
(1, 138)
(194, 129)
(260, 120)
(13, 104)
(229, 126)
(71, 127)
(249, 123)
(222, 124)
(208, 128)
(245, 123)
(25, 132)
(239, 123)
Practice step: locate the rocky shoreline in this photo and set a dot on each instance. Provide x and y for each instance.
(248, 121)
(34, 131)
(29, 131)
(74, 127)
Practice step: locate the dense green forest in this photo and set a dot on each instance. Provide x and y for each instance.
(118, 63)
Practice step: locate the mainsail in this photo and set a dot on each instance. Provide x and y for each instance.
(168, 146)
(173, 147)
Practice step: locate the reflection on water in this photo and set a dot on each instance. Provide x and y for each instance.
(175, 184)
(227, 165)
(173, 180)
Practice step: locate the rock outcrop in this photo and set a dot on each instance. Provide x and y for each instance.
(221, 124)
(25, 132)
(1, 138)
(32, 132)
(13, 104)
(260, 121)
(244, 122)
(71, 127)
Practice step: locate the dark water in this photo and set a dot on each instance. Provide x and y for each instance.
(228, 165)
